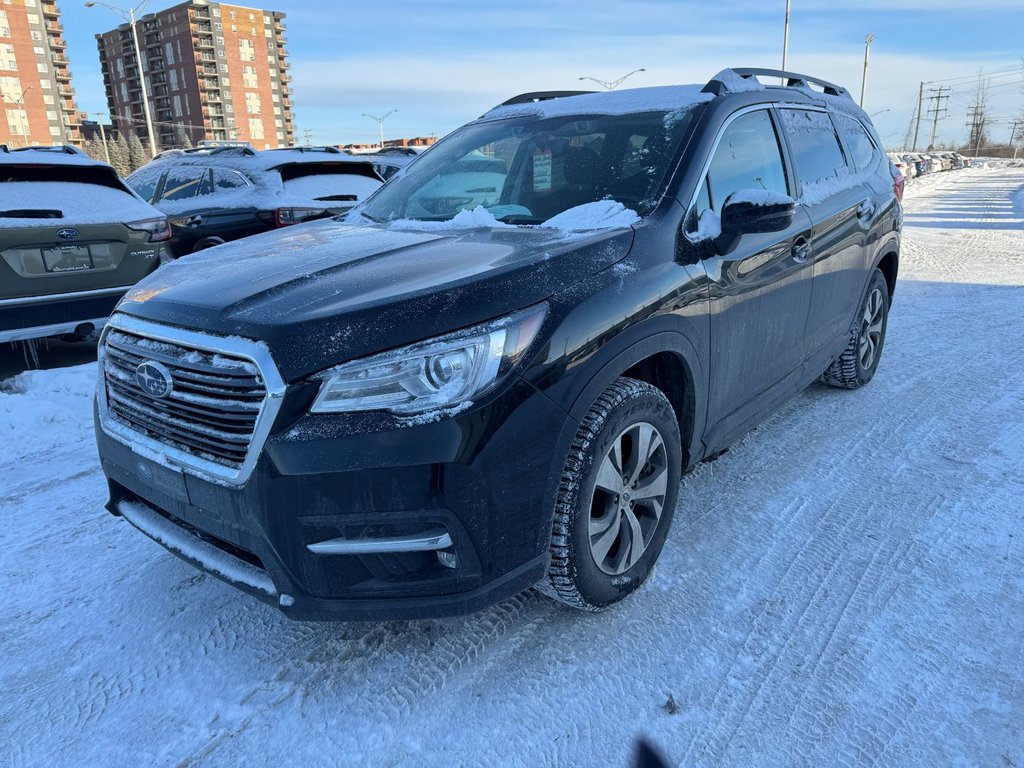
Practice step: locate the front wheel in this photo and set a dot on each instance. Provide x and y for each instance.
(616, 497)
(859, 361)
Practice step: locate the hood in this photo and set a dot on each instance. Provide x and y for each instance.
(326, 292)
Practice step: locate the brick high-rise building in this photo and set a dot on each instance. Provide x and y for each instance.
(213, 71)
(36, 96)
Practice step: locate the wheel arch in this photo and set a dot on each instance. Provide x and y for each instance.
(666, 360)
(887, 259)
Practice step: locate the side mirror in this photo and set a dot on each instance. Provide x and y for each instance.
(753, 210)
(757, 210)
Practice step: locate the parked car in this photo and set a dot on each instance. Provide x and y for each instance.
(217, 194)
(73, 239)
(901, 165)
(432, 405)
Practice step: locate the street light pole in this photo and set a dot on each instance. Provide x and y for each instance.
(130, 16)
(785, 38)
(380, 124)
(611, 85)
(864, 78)
(23, 127)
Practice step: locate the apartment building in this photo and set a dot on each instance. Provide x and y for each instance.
(36, 97)
(214, 72)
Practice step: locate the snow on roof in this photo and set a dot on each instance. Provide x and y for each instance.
(737, 84)
(47, 156)
(663, 98)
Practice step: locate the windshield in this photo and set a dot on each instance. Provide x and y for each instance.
(528, 170)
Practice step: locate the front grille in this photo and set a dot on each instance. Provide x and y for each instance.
(212, 410)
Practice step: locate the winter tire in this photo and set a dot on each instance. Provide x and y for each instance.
(616, 497)
(859, 361)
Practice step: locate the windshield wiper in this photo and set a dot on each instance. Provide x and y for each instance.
(518, 218)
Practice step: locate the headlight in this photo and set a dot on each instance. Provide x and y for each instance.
(445, 372)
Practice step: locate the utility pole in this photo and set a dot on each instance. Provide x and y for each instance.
(1013, 137)
(307, 137)
(917, 126)
(103, 135)
(937, 111)
(864, 78)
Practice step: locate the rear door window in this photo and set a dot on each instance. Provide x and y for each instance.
(186, 183)
(862, 149)
(815, 145)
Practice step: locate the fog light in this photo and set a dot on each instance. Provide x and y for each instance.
(448, 558)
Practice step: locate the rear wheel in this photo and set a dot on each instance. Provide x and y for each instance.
(207, 242)
(859, 361)
(616, 497)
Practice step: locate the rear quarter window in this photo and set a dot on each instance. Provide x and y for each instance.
(863, 151)
(814, 144)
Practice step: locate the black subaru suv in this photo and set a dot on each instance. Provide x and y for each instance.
(445, 398)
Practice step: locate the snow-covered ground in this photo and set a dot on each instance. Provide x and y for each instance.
(844, 587)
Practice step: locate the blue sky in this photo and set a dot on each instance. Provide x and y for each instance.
(443, 63)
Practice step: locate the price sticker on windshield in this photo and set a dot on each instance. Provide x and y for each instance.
(541, 171)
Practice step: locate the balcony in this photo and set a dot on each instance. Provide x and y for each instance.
(68, 106)
(60, 58)
(50, 11)
(62, 74)
(54, 26)
(203, 28)
(58, 43)
(203, 41)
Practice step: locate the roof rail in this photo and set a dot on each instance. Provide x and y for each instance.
(792, 80)
(533, 98)
(247, 151)
(323, 148)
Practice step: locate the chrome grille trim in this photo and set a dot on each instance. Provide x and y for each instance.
(227, 414)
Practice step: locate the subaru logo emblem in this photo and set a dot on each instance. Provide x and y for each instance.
(154, 379)
(68, 233)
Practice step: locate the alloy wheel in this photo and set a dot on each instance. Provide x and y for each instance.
(871, 329)
(628, 498)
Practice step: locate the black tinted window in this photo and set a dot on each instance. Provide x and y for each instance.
(815, 146)
(858, 142)
(747, 157)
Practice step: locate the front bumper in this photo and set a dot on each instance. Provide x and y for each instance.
(485, 479)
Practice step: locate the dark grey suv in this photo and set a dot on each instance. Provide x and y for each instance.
(491, 375)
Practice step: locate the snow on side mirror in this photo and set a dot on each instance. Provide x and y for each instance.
(753, 210)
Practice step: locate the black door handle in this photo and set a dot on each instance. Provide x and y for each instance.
(801, 249)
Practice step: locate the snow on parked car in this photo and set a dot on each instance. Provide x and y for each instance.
(73, 239)
(218, 194)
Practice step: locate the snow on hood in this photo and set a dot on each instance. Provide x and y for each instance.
(79, 203)
(477, 218)
(665, 98)
(601, 214)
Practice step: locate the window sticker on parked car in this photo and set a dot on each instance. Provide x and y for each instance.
(541, 170)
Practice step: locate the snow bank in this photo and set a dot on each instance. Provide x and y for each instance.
(78, 202)
(602, 214)
(660, 98)
(42, 410)
(477, 218)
